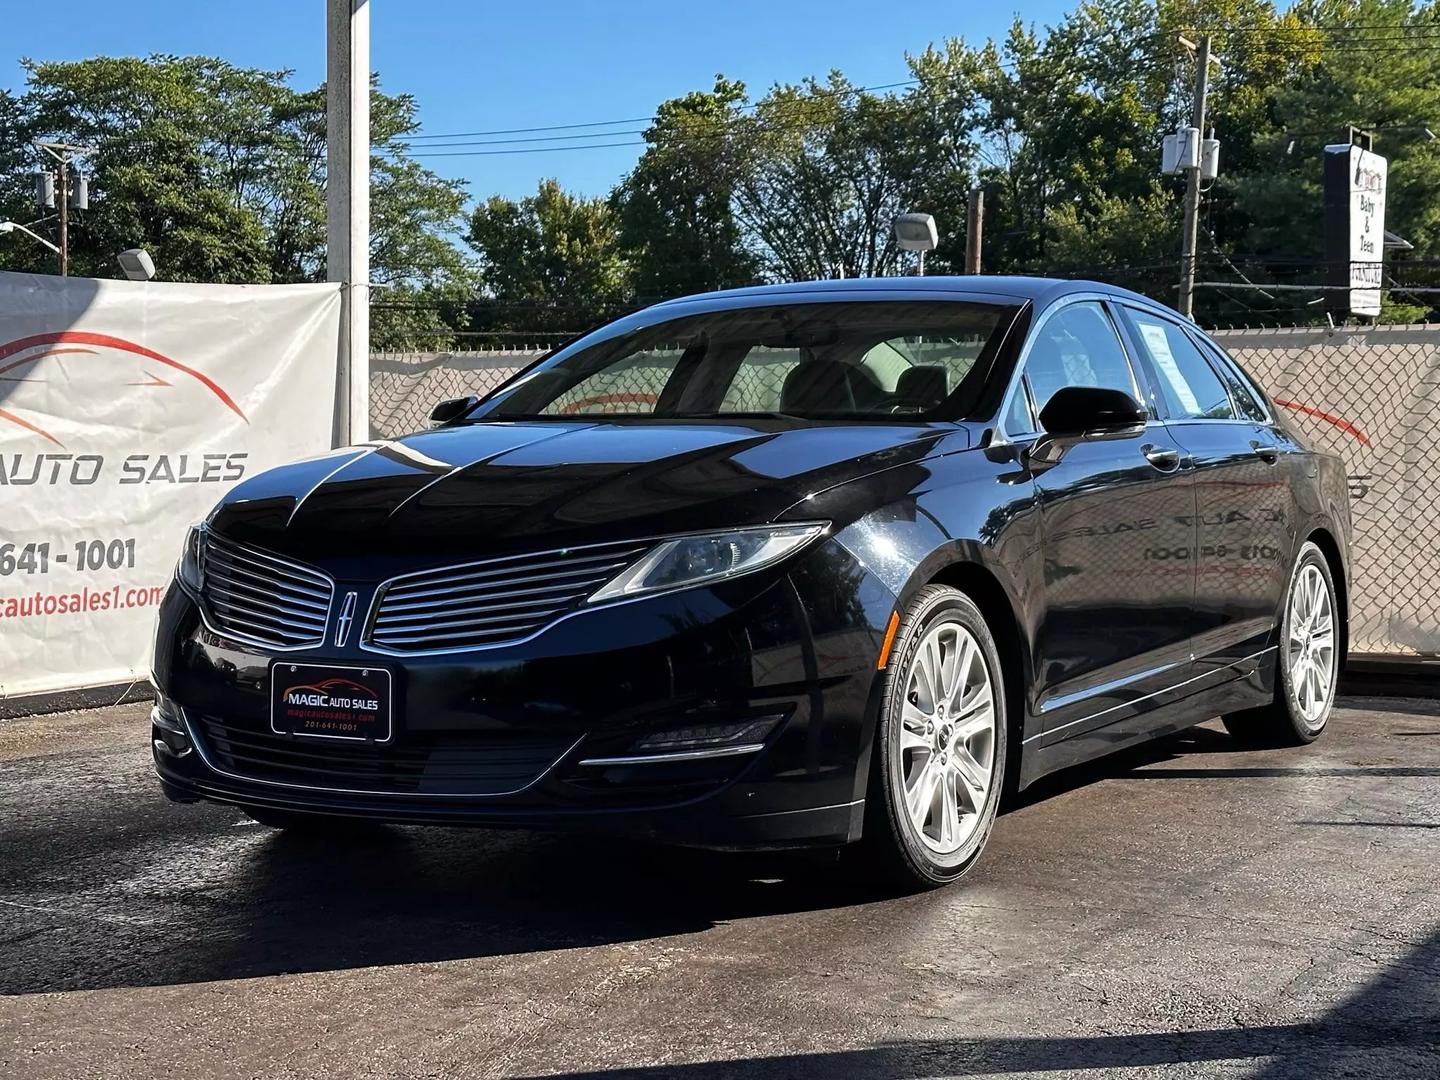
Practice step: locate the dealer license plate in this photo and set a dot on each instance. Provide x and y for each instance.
(328, 702)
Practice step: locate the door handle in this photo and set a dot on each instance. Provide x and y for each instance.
(1268, 454)
(1164, 458)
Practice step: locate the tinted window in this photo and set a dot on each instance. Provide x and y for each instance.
(822, 360)
(1188, 383)
(633, 385)
(1018, 418)
(1242, 391)
(1077, 346)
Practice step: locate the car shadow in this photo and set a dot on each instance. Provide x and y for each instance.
(185, 894)
(285, 903)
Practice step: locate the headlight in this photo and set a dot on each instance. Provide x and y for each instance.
(188, 569)
(695, 560)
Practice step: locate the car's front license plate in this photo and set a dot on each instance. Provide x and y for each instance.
(329, 702)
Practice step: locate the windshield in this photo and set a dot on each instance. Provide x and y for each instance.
(840, 361)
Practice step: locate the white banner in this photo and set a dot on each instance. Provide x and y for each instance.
(126, 410)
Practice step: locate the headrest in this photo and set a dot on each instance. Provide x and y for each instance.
(822, 386)
(921, 387)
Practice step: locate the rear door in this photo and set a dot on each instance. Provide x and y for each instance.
(1242, 492)
(1117, 519)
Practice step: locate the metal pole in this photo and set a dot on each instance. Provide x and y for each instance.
(1192, 185)
(348, 207)
(974, 228)
(62, 196)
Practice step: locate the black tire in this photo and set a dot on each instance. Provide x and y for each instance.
(892, 844)
(297, 821)
(1283, 722)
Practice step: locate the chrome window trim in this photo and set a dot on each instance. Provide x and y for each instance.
(1017, 377)
(199, 745)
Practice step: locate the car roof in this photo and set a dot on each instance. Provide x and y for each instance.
(1011, 288)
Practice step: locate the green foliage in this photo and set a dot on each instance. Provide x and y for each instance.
(218, 171)
(549, 246)
(1086, 237)
(675, 210)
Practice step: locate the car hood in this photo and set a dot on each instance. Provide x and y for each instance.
(491, 488)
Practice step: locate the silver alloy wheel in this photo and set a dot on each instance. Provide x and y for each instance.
(1310, 652)
(947, 737)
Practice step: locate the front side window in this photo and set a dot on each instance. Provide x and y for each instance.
(844, 360)
(1187, 382)
(1077, 346)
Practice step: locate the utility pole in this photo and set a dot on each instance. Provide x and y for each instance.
(64, 154)
(1192, 184)
(64, 193)
(347, 219)
(974, 228)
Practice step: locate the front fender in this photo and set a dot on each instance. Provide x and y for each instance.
(965, 518)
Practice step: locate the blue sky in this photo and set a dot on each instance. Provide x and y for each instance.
(481, 65)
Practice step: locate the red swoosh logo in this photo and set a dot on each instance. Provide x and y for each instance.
(29, 426)
(32, 359)
(1320, 414)
(85, 337)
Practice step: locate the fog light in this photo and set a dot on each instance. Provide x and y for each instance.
(166, 714)
(171, 737)
(704, 736)
(696, 742)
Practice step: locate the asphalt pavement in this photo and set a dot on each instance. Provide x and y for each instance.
(1188, 909)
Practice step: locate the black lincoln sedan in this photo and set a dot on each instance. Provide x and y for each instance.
(796, 566)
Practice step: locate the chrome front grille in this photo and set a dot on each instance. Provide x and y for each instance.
(491, 602)
(261, 597)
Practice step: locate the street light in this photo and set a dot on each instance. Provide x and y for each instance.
(916, 232)
(13, 226)
(136, 264)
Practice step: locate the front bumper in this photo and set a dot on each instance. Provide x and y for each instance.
(550, 733)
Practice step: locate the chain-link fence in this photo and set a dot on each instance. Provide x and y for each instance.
(1370, 395)
(404, 387)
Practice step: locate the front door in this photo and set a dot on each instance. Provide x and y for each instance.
(1117, 520)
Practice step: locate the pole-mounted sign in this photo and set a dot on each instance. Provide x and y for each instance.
(1355, 181)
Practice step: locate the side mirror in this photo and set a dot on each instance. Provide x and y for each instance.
(1085, 414)
(453, 409)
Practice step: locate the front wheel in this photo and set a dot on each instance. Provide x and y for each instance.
(940, 743)
(1308, 660)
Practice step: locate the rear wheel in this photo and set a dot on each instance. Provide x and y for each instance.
(940, 752)
(1308, 661)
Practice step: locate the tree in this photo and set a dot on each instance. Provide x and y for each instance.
(551, 254)
(676, 208)
(219, 172)
(825, 173)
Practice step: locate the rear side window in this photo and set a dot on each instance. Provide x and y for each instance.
(1242, 390)
(1187, 382)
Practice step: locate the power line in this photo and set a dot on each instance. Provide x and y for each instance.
(816, 93)
(526, 150)
(1400, 38)
(529, 130)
